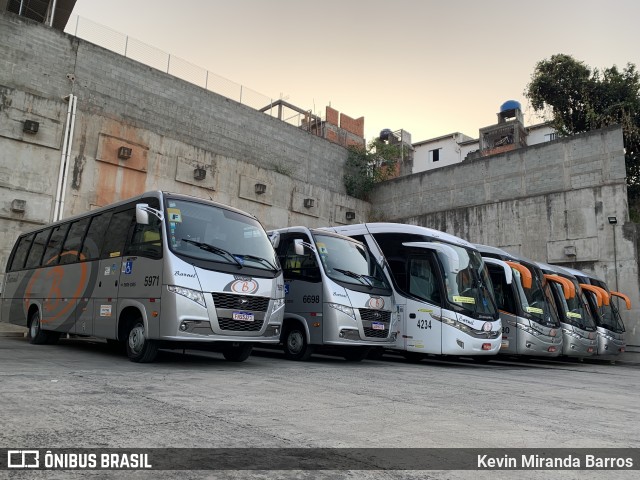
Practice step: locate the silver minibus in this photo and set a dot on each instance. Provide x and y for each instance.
(337, 299)
(160, 270)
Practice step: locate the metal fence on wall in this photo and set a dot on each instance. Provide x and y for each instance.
(153, 57)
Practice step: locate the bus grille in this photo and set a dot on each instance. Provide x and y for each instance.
(370, 315)
(240, 302)
(370, 332)
(377, 316)
(239, 326)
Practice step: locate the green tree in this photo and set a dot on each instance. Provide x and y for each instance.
(576, 99)
(369, 165)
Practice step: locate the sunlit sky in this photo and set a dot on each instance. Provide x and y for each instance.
(428, 67)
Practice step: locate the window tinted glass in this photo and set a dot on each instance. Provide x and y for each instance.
(37, 249)
(54, 246)
(73, 241)
(117, 234)
(95, 236)
(146, 240)
(20, 254)
(502, 290)
(423, 280)
(305, 266)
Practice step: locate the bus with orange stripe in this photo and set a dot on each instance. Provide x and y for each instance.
(160, 270)
(530, 323)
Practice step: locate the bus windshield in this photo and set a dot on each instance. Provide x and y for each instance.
(575, 312)
(468, 285)
(536, 301)
(349, 262)
(209, 233)
(610, 318)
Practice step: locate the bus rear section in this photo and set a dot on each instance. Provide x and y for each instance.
(337, 300)
(160, 270)
(530, 324)
(442, 293)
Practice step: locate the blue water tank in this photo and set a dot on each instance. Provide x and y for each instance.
(510, 105)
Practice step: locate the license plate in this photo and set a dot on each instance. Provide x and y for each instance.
(377, 326)
(243, 316)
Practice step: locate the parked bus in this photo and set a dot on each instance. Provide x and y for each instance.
(577, 323)
(530, 323)
(158, 270)
(610, 328)
(337, 298)
(443, 295)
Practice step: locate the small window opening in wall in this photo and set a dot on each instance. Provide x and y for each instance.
(434, 155)
(548, 137)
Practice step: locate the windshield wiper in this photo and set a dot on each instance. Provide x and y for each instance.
(213, 249)
(362, 278)
(257, 259)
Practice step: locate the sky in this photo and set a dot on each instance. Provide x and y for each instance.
(428, 67)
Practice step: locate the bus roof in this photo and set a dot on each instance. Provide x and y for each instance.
(152, 193)
(384, 227)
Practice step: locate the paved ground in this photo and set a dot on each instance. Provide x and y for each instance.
(80, 394)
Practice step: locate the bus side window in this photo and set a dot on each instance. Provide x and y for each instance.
(37, 248)
(423, 283)
(20, 254)
(97, 232)
(71, 246)
(54, 246)
(303, 267)
(146, 240)
(117, 233)
(503, 292)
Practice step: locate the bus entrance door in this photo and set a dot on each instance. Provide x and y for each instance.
(423, 327)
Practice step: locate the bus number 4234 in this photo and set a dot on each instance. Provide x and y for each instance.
(424, 324)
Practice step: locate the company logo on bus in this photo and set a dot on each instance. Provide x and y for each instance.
(376, 303)
(244, 286)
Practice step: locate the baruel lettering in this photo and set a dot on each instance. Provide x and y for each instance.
(180, 274)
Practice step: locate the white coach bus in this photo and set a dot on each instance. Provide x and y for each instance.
(443, 295)
(159, 270)
(337, 298)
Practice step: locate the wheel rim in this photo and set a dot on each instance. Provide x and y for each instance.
(295, 341)
(136, 339)
(35, 326)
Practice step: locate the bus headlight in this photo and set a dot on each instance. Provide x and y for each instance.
(278, 303)
(194, 295)
(344, 309)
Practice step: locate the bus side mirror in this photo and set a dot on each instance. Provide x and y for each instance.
(142, 215)
(298, 246)
(275, 239)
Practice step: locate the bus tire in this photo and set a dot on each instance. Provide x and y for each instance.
(37, 336)
(139, 348)
(296, 346)
(356, 354)
(237, 353)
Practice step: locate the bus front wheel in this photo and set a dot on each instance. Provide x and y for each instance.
(139, 348)
(237, 353)
(296, 346)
